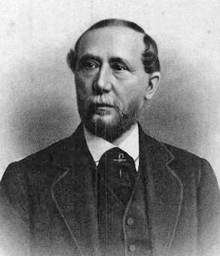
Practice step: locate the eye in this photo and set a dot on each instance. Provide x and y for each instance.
(119, 67)
(89, 65)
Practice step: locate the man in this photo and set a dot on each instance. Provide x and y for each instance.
(110, 189)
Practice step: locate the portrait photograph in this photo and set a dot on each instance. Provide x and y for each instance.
(110, 128)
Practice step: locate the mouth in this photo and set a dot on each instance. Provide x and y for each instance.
(103, 109)
(103, 105)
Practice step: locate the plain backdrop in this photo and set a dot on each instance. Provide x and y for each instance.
(37, 92)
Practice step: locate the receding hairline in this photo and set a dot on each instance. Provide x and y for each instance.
(101, 33)
(117, 23)
(110, 23)
(149, 56)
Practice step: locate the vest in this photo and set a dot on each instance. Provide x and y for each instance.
(124, 229)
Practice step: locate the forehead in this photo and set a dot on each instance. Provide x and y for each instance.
(112, 41)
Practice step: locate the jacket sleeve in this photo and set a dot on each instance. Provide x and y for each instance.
(14, 213)
(208, 199)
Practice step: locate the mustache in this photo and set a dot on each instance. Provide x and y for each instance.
(103, 100)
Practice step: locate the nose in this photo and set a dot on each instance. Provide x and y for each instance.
(103, 81)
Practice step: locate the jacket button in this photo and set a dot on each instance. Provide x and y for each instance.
(132, 248)
(130, 221)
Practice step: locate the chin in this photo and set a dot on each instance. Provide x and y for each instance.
(109, 128)
(106, 120)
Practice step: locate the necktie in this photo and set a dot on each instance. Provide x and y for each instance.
(116, 171)
(115, 180)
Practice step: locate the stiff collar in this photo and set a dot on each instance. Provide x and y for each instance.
(98, 146)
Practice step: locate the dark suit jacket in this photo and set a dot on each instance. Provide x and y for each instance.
(49, 205)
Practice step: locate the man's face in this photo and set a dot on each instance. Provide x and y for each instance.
(111, 83)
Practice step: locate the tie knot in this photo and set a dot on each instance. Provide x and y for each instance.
(116, 157)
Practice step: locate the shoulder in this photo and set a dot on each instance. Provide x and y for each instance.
(43, 157)
(192, 169)
(182, 154)
(174, 153)
(187, 158)
(187, 165)
(47, 162)
(22, 172)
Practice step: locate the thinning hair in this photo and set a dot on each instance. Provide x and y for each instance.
(149, 57)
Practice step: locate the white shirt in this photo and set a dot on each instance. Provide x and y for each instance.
(98, 146)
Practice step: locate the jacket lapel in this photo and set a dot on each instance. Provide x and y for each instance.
(74, 197)
(164, 192)
(73, 193)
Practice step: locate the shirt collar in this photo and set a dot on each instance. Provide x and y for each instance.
(98, 146)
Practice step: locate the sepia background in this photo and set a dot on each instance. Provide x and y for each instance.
(37, 94)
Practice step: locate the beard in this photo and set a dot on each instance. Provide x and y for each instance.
(113, 129)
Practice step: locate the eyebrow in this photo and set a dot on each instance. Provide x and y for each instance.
(97, 58)
(91, 57)
(118, 59)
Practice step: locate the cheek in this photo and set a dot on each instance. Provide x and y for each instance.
(133, 94)
(83, 86)
(135, 102)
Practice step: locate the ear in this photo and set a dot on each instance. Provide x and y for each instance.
(71, 60)
(154, 80)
